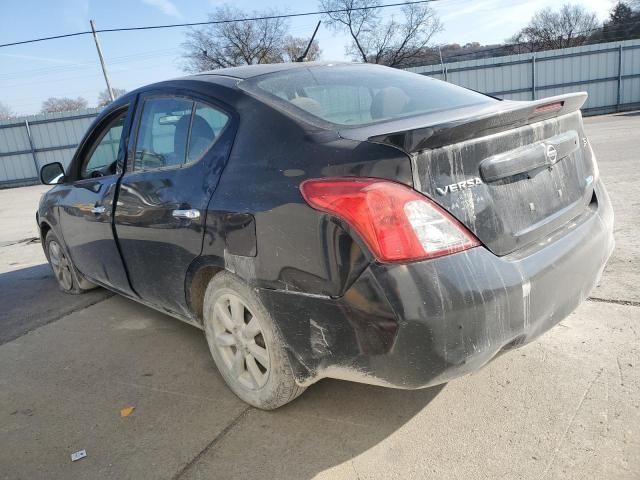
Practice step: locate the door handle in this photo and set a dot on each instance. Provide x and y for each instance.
(190, 214)
(98, 210)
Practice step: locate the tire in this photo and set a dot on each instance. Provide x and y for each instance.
(68, 278)
(245, 344)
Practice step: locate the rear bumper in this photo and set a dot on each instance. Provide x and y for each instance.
(425, 323)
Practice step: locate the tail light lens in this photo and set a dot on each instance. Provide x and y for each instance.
(397, 223)
(549, 107)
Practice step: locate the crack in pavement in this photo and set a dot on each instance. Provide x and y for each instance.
(628, 303)
(162, 390)
(23, 240)
(556, 450)
(219, 437)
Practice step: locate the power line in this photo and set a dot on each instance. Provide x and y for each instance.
(142, 56)
(149, 56)
(215, 22)
(42, 39)
(146, 56)
(95, 69)
(28, 101)
(166, 52)
(24, 101)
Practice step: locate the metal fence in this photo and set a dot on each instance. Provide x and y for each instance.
(608, 72)
(28, 143)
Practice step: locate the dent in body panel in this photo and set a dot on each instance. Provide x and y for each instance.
(453, 314)
(322, 334)
(242, 266)
(158, 246)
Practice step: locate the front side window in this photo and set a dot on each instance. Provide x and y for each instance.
(104, 155)
(355, 95)
(163, 133)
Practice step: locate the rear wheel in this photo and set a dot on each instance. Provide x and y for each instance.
(68, 278)
(245, 345)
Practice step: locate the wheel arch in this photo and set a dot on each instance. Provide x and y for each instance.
(199, 274)
(45, 228)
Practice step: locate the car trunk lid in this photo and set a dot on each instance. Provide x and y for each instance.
(512, 173)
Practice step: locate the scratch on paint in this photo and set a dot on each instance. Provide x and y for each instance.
(526, 300)
(315, 325)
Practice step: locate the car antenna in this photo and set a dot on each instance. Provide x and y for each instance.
(304, 55)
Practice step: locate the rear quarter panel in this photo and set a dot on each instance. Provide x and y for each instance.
(297, 248)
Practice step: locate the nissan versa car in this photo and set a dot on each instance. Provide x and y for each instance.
(334, 220)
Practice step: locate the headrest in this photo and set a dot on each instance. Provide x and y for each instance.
(388, 102)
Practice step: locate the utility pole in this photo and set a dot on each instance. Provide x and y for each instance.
(104, 68)
(444, 70)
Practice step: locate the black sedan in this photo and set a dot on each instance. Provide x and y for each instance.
(334, 220)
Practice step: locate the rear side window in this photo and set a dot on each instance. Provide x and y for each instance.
(176, 131)
(206, 127)
(359, 94)
(163, 133)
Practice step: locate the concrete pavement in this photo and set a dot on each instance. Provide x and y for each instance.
(29, 295)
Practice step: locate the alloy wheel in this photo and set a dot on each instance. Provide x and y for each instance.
(240, 341)
(60, 265)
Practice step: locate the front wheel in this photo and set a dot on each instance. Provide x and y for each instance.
(68, 278)
(245, 344)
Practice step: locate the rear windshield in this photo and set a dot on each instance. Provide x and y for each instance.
(359, 94)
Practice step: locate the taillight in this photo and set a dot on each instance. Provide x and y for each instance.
(397, 223)
(549, 107)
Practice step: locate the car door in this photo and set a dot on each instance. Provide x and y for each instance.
(87, 201)
(181, 146)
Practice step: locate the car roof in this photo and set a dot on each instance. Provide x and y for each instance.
(228, 77)
(248, 71)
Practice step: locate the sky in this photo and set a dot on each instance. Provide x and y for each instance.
(31, 73)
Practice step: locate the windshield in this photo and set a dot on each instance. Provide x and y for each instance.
(359, 94)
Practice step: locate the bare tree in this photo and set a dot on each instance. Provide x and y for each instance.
(571, 26)
(63, 104)
(104, 98)
(5, 112)
(230, 44)
(357, 17)
(396, 42)
(294, 48)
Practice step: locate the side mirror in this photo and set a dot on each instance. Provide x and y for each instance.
(52, 173)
